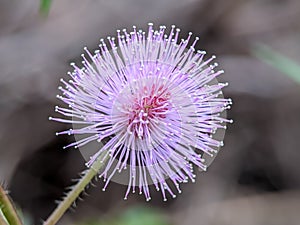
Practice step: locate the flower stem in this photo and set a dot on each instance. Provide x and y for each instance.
(8, 210)
(63, 206)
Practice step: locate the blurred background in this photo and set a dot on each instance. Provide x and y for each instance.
(255, 178)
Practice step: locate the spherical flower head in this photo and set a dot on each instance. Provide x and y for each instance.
(153, 104)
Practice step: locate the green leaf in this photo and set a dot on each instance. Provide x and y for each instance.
(142, 215)
(45, 6)
(137, 215)
(278, 61)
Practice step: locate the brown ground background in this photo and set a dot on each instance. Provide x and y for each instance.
(254, 180)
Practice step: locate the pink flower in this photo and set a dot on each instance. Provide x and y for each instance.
(154, 103)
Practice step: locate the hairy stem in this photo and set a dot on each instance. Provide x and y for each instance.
(63, 206)
(8, 210)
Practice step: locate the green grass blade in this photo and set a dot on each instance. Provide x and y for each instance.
(45, 6)
(8, 210)
(278, 61)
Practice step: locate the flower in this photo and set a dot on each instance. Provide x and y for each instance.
(153, 102)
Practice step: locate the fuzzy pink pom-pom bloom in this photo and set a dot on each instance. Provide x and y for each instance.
(153, 102)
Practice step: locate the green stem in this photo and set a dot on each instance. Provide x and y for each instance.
(8, 210)
(75, 192)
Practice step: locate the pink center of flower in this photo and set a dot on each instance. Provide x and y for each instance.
(148, 109)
